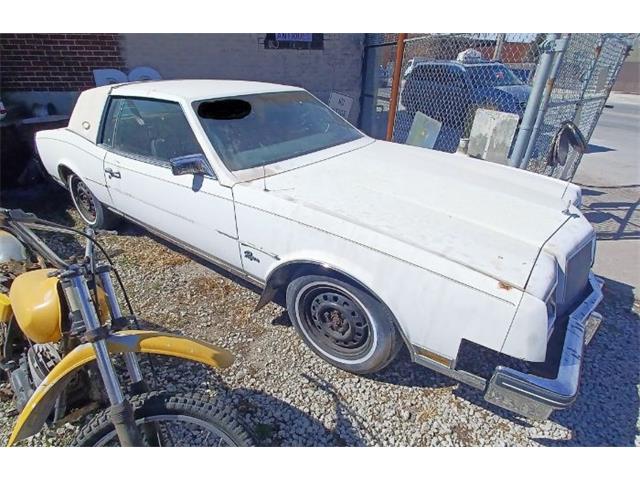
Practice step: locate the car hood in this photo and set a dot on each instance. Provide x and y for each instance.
(404, 200)
(519, 92)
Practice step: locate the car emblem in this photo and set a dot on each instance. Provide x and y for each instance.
(250, 256)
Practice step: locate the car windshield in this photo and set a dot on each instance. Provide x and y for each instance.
(255, 130)
(492, 76)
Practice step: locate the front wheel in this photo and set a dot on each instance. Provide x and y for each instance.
(176, 420)
(342, 323)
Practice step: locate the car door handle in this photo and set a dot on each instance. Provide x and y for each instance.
(112, 173)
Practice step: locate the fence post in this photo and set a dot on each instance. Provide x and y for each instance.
(395, 85)
(497, 52)
(533, 104)
(559, 49)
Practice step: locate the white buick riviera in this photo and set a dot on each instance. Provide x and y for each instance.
(372, 245)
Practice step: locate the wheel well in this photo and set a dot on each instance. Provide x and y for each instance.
(287, 273)
(277, 282)
(64, 172)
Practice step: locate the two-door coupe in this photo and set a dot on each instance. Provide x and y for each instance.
(372, 245)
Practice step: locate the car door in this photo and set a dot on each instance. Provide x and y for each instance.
(141, 135)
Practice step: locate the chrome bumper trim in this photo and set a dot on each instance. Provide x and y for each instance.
(535, 396)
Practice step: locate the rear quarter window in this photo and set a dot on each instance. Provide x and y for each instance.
(109, 121)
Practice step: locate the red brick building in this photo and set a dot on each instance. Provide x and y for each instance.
(55, 62)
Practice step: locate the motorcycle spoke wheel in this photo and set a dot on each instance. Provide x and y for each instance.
(175, 431)
(171, 420)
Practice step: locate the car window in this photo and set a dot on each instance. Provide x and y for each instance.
(429, 73)
(493, 76)
(152, 129)
(445, 75)
(253, 130)
(109, 122)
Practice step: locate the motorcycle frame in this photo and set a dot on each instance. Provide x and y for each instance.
(74, 281)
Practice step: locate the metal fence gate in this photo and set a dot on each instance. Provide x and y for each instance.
(587, 67)
(451, 88)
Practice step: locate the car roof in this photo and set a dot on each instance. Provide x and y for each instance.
(457, 63)
(86, 116)
(192, 90)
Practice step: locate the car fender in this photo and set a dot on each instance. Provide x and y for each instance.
(62, 149)
(51, 146)
(273, 280)
(39, 406)
(322, 266)
(431, 311)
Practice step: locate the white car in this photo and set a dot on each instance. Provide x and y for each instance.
(372, 245)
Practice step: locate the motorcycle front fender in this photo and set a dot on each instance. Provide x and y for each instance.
(39, 406)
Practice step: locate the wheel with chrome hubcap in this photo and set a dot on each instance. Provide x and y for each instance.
(342, 323)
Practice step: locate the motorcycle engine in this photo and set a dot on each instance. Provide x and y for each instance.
(32, 370)
(42, 358)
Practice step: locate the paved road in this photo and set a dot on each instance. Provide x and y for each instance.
(610, 177)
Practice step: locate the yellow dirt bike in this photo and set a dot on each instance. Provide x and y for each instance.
(62, 333)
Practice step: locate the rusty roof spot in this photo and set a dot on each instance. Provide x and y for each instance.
(504, 286)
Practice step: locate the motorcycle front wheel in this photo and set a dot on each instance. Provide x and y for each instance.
(170, 420)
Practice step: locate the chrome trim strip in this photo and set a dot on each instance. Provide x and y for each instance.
(462, 376)
(253, 247)
(227, 235)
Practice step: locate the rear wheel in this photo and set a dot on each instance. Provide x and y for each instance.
(178, 420)
(91, 210)
(342, 323)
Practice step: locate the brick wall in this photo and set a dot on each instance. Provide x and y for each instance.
(55, 62)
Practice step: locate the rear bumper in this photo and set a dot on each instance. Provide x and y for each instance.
(537, 397)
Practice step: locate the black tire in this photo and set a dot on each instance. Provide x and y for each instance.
(342, 323)
(100, 431)
(91, 210)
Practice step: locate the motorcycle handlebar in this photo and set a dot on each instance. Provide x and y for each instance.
(16, 215)
(28, 221)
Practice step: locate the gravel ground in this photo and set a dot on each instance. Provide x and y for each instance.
(287, 396)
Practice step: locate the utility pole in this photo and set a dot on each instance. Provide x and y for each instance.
(395, 85)
(497, 52)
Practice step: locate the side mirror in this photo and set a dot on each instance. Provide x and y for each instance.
(569, 135)
(195, 164)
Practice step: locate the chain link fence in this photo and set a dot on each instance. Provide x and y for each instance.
(586, 72)
(469, 92)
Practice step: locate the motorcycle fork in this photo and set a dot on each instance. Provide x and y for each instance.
(120, 411)
(138, 384)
